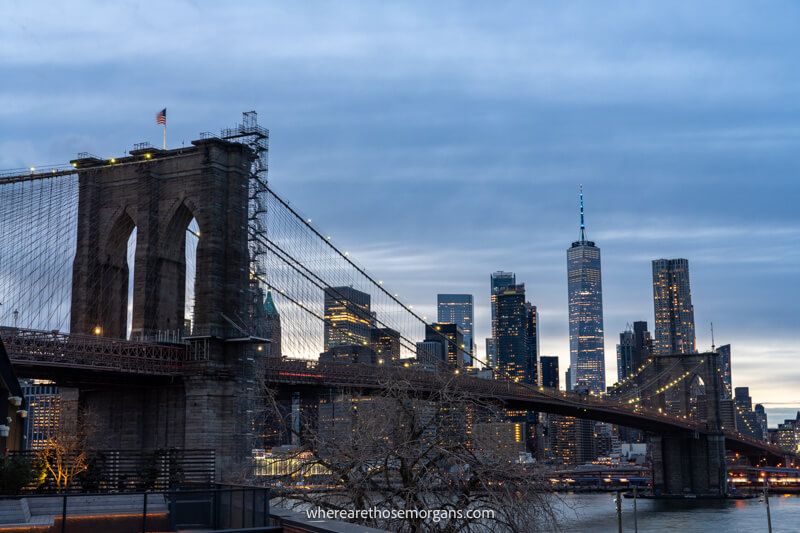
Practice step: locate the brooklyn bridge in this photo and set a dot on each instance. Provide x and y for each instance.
(139, 284)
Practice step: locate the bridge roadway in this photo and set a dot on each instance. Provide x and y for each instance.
(59, 356)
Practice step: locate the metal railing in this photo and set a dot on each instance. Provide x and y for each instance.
(120, 471)
(222, 507)
(56, 349)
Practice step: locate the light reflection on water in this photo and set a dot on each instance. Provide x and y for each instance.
(597, 513)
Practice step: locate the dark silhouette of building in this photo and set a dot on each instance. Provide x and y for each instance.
(497, 282)
(549, 371)
(748, 421)
(268, 323)
(431, 355)
(532, 341)
(549, 447)
(511, 334)
(724, 352)
(12, 428)
(386, 344)
(350, 353)
(642, 342)
(635, 346)
(452, 341)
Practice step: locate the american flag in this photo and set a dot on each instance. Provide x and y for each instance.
(161, 117)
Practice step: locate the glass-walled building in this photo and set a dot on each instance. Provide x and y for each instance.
(585, 292)
(458, 309)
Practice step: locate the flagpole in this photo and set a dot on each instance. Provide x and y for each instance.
(165, 135)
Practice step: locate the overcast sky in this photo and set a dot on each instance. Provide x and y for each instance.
(439, 142)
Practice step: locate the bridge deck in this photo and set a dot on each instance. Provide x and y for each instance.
(366, 377)
(33, 351)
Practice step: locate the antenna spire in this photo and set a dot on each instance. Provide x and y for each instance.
(713, 346)
(583, 224)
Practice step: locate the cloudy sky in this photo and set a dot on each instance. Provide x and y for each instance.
(439, 142)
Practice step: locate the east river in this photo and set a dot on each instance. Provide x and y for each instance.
(596, 512)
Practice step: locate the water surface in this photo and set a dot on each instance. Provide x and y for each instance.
(593, 512)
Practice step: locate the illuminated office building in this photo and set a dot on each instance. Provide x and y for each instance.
(672, 302)
(44, 412)
(348, 319)
(511, 334)
(585, 291)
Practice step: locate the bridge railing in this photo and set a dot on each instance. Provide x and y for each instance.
(53, 348)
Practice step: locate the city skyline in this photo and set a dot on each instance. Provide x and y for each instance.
(688, 155)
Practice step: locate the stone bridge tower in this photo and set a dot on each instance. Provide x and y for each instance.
(159, 192)
(687, 385)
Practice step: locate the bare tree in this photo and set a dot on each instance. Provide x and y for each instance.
(404, 451)
(66, 454)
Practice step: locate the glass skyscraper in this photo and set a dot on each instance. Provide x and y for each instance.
(625, 366)
(635, 346)
(511, 334)
(585, 290)
(672, 302)
(725, 369)
(458, 309)
(348, 318)
(497, 282)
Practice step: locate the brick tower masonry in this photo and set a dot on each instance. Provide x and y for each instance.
(212, 405)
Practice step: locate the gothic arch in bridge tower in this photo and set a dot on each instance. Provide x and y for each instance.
(687, 385)
(684, 385)
(107, 281)
(207, 184)
(174, 269)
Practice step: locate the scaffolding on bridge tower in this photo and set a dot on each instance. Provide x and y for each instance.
(256, 138)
